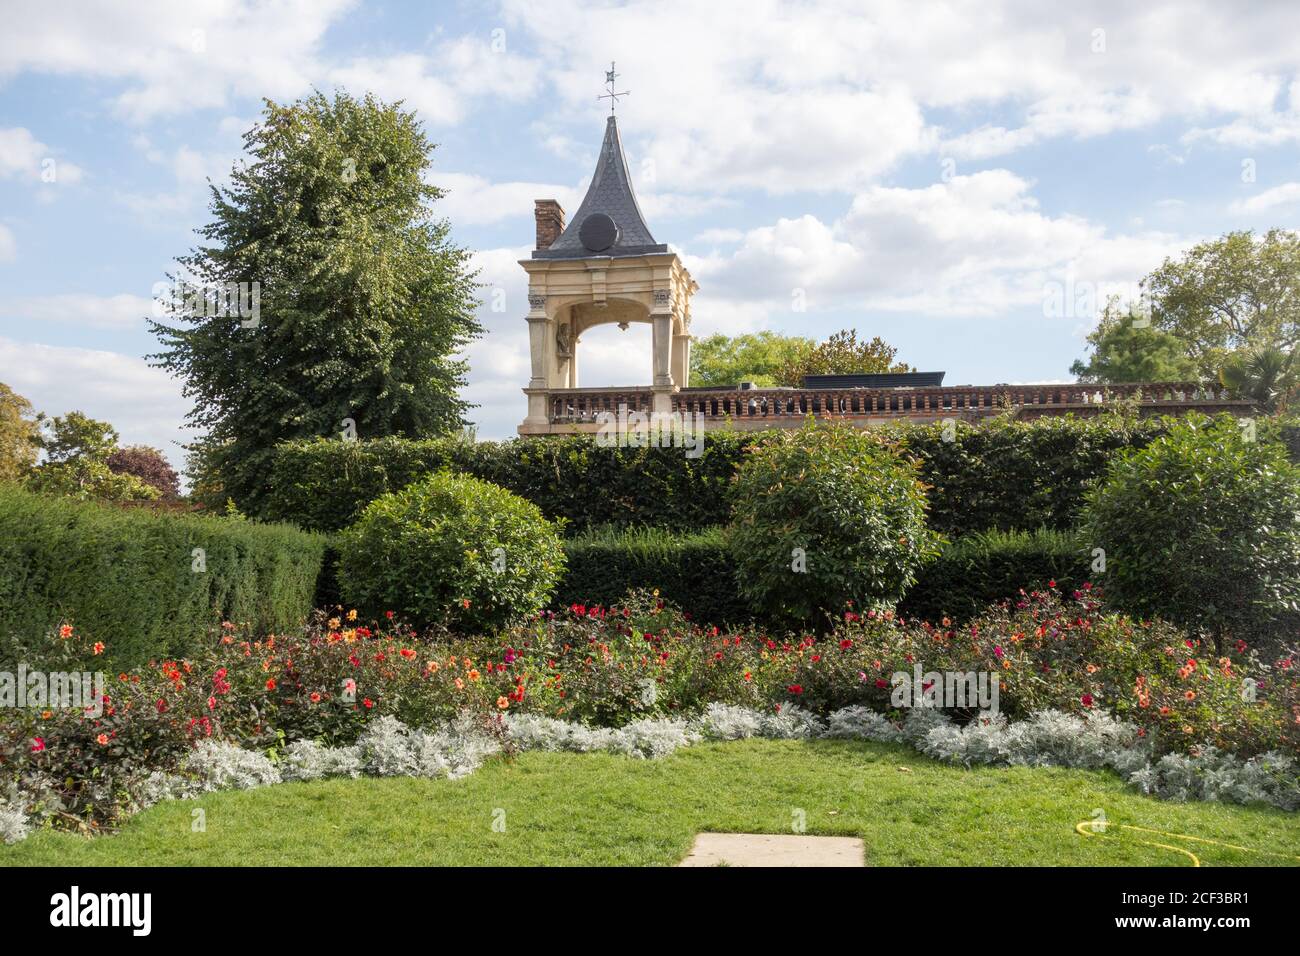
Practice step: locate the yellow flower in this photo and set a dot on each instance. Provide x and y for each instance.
(352, 614)
(334, 623)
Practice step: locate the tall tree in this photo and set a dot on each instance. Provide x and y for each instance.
(19, 440)
(77, 451)
(757, 357)
(76, 436)
(1233, 292)
(364, 300)
(1127, 347)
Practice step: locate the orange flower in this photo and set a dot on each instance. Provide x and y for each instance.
(431, 667)
(65, 631)
(102, 739)
(1092, 668)
(460, 684)
(473, 674)
(1164, 711)
(1190, 695)
(99, 647)
(407, 653)
(315, 697)
(502, 703)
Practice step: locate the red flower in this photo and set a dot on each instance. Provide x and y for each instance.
(795, 688)
(161, 706)
(388, 614)
(369, 703)
(881, 683)
(38, 744)
(845, 644)
(315, 697)
(1086, 700)
(270, 683)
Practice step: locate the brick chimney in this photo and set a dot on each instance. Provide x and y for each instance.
(550, 222)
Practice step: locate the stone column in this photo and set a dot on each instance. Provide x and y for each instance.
(681, 359)
(539, 347)
(662, 325)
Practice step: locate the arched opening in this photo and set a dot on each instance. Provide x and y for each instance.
(610, 356)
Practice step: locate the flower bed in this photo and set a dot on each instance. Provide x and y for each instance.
(636, 678)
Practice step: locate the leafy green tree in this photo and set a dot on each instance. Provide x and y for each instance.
(77, 452)
(1232, 292)
(725, 360)
(1202, 527)
(1128, 347)
(76, 436)
(364, 300)
(841, 354)
(19, 439)
(1267, 376)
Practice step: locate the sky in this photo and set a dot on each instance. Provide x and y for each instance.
(968, 181)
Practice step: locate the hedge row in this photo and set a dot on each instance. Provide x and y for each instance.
(696, 573)
(979, 569)
(128, 577)
(692, 571)
(1000, 474)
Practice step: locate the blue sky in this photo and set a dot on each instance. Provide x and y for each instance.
(932, 174)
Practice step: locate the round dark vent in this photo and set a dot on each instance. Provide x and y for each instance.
(598, 232)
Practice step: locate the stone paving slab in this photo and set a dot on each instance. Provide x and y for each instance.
(770, 849)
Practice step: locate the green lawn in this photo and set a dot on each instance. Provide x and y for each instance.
(586, 809)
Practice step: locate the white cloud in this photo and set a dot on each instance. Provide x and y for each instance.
(23, 156)
(977, 246)
(441, 85)
(73, 308)
(141, 402)
(1284, 195)
(472, 200)
(173, 57)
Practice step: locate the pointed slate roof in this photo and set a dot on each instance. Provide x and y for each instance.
(608, 212)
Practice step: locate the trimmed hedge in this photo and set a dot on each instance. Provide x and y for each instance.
(325, 484)
(692, 571)
(695, 572)
(125, 576)
(998, 474)
(980, 569)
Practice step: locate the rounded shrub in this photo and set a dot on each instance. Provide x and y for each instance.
(451, 551)
(1202, 527)
(826, 515)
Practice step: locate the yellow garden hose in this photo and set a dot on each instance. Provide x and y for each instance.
(1095, 827)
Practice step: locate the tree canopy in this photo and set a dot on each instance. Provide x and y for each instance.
(1127, 347)
(19, 439)
(363, 301)
(770, 358)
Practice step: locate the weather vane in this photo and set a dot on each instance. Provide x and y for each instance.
(610, 77)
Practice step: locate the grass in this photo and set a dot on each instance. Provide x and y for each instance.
(596, 809)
